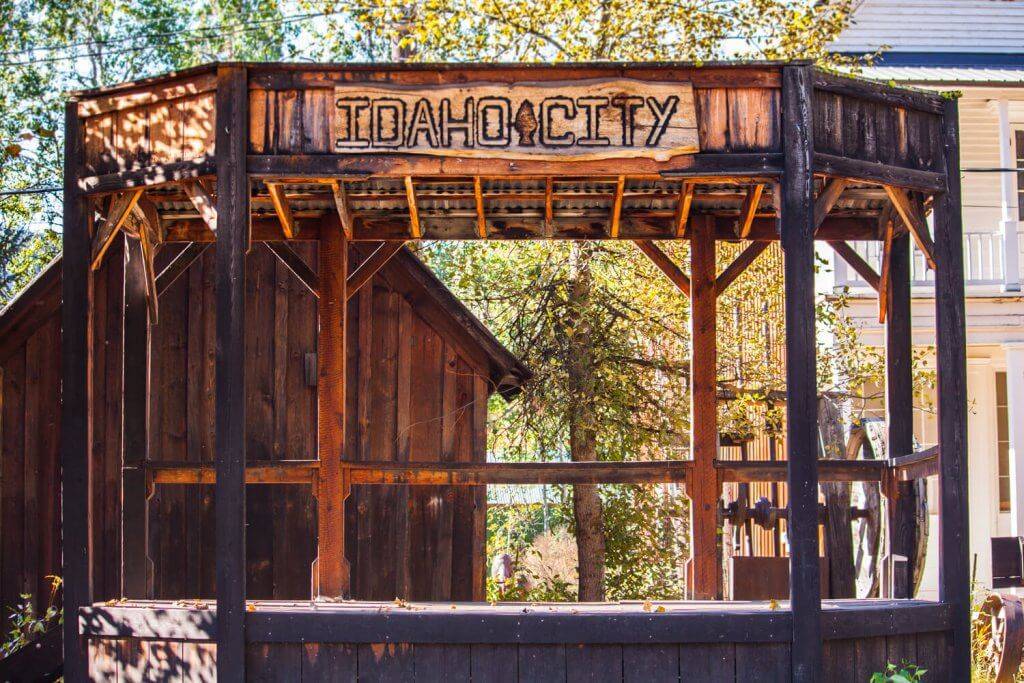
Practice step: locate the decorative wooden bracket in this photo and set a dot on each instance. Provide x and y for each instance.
(368, 268)
(855, 261)
(414, 212)
(616, 217)
(342, 206)
(204, 204)
(661, 259)
(296, 265)
(827, 198)
(481, 220)
(284, 212)
(121, 206)
(740, 264)
(748, 211)
(682, 217)
(913, 217)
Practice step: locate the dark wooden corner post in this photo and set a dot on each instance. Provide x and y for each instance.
(797, 226)
(76, 432)
(232, 241)
(136, 577)
(899, 412)
(951, 362)
(702, 486)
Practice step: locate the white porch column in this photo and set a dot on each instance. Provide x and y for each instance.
(1008, 193)
(1015, 411)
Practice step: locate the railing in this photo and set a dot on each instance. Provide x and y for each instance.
(984, 262)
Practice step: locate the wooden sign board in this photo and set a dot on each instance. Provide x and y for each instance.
(557, 120)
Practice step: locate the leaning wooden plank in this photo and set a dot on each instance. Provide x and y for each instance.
(883, 280)
(368, 268)
(913, 218)
(661, 259)
(204, 204)
(296, 265)
(342, 206)
(682, 216)
(481, 220)
(740, 264)
(827, 198)
(620, 186)
(850, 255)
(748, 210)
(120, 207)
(282, 208)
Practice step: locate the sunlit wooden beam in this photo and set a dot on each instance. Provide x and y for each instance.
(827, 199)
(620, 187)
(682, 216)
(121, 206)
(883, 280)
(549, 206)
(414, 212)
(749, 210)
(912, 216)
(282, 209)
(202, 202)
(343, 208)
(481, 220)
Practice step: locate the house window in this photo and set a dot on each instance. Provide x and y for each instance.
(1003, 441)
(1019, 139)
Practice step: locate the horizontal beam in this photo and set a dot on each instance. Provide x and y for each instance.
(907, 178)
(148, 176)
(473, 474)
(917, 465)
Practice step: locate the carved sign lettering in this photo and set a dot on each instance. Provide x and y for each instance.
(595, 119)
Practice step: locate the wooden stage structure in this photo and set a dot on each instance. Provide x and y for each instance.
(375, 156)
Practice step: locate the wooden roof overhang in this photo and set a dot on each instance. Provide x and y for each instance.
(158, 135)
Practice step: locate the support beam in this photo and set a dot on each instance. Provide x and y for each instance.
(740, 264)
(899, 414)
(229, 493)
(913, 217)
(331, 578)
(371, 266)
(343, 208)
(282, 209)
(181, 263)
(748, 210)
(620, 187)
(76, 423)
(827, 198)
(665, 264)
(883, 279)
(136, 577)
(202, 202)
(481, 219)
(704, 488)
(414, 212)
(951, 363)
(121, 206)
(682, 217)
(148, 247)
(294, 263)
(797, 227)
(549, 206)
(850, 255)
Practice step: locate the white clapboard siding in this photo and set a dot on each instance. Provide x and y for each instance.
(990, 26)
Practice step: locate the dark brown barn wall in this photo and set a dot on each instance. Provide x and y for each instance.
(413, 396)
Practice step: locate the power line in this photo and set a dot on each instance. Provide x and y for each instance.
(30, 190)
(182, 39)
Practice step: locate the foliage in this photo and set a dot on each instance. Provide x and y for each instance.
(26, 624)
(904, 673)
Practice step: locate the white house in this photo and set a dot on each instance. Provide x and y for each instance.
(976, 47)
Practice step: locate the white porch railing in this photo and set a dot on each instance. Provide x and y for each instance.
(984, 264)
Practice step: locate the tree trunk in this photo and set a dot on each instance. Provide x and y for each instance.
(587, 510)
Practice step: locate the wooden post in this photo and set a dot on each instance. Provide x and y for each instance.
(76, 427)
(229, 493)
(951, 361)
(331, 578)
(135, 574)
(899, 411)
(797, 225)
(703, 487)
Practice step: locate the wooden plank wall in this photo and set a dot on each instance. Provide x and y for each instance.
(29, 472)
(845, 660)
(169, 123)
(425, 402)
(871, 131)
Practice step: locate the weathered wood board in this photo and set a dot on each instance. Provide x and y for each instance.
(584, 120)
